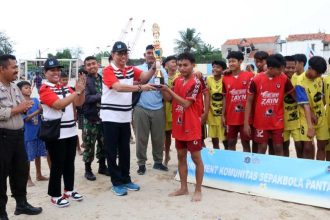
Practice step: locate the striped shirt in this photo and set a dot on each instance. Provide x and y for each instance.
(50, 93)
(117, 106)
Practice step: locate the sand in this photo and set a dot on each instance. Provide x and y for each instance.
(152, 201)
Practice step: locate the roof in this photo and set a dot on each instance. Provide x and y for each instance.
(253, 40)
(303, 37)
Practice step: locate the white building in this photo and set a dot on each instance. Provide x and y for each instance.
(317, 44)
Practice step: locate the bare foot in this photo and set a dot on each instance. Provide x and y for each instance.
(30, 183)
(179, 192)
(42, 178)
(166, 160)
(197, 196)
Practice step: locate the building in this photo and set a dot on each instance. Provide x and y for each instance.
(317, 44)
(249, 46)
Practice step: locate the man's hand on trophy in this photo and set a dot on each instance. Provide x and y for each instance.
(162, 87)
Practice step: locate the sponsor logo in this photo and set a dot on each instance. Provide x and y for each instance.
(269, 98)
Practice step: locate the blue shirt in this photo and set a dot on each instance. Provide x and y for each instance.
(32, 126)
(151, 100)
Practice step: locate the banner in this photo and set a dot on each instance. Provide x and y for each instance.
(288, 179)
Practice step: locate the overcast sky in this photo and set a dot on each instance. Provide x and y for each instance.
(91, 24)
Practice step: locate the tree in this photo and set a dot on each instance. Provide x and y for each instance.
(190, 41)
(5, 44)
(207, 49)
(207, 53)
(102, 54)
(65, 54)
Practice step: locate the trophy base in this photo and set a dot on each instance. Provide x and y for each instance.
(159, 81)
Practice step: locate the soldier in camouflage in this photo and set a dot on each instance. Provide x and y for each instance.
(92, 123)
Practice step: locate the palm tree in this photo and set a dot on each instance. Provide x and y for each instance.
(207, 49)
(190, 40)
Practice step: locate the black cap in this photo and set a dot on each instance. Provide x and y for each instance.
(119, 46)
(150, 47)
(51, 63)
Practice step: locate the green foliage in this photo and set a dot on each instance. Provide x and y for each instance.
(5, 44)
(64, 54)
(102, 54)
(189, 41)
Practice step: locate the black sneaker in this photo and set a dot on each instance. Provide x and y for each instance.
(141, 170)
(160, 166)
(90, 175)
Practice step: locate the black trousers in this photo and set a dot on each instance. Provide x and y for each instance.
(116, 141)
(62, 153)
(13, 163)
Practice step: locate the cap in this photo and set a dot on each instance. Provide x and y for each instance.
(119, 46)
(51, 63)
(150, 47)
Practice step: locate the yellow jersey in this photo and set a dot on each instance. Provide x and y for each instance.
(168, 105)
(216, 98)
(326, 84)
(311, 92)
(291, 113)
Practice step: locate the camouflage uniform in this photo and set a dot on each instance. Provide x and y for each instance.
(92, 129)
(93, 132)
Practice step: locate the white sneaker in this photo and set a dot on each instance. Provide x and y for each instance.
(73, 195)
(60, 201)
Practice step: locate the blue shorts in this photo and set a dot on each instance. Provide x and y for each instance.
(35, 148)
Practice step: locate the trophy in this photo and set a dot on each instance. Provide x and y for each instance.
(158, 52)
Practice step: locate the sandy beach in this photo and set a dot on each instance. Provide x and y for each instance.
(152, 201)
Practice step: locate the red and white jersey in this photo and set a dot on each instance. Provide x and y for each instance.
(235, 90)
(186, 122)
(269, 95)
(50, 93)
(117, 106)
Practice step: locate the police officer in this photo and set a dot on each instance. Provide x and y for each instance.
(13, 158)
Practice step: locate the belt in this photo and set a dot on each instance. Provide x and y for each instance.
(11, 132)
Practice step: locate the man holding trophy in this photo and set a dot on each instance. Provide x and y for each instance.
(149, 112)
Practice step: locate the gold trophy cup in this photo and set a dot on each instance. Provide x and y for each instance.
(158, 52)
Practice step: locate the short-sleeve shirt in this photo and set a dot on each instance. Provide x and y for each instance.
(216, 98)
(32, 126)
(10, 97)
(310, 91)
(49, 94)
(291, 112)
(269, 96)
(235, 90)
(152, 100)
(326, 84)
(186, 122)
(117, 106)
(168, 105)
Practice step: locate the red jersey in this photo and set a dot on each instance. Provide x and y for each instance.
(269, 95)
(235, 88)
(186, 122)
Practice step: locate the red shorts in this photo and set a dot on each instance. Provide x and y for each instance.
(233, 130)
(262, 136)
(191, 146)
